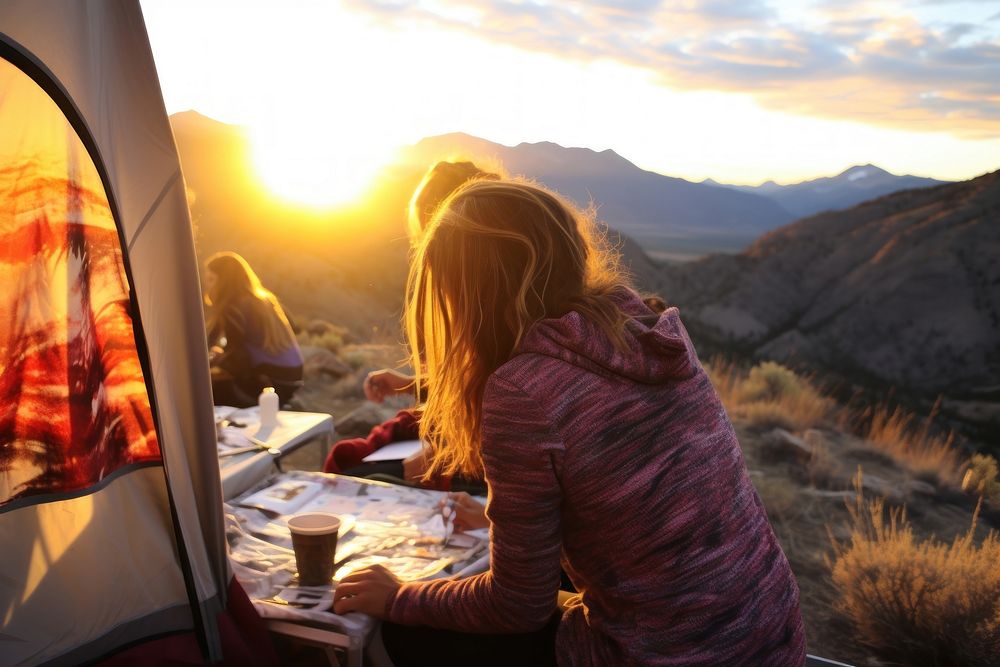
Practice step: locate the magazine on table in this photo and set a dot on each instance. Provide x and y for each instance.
(285, 497)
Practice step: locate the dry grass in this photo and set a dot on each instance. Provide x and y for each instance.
(726, 377)
(912, 444)
(765, 415)
(981, 478)
(906, 599)
(323, 334)
(918, 602)
(770, 396)
(780, 497)
(824, 469)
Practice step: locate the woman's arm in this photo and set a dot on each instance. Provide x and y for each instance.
(234, 357)
(522, 457)
(386, 382)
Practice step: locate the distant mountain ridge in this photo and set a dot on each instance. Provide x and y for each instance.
(663, 214)
(902, 290)
(349, 265)
(852, 186)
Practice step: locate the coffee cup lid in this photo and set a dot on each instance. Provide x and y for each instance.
(314, 523)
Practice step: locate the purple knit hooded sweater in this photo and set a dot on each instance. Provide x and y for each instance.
(625, 469)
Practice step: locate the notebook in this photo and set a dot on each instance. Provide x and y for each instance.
(396, 451)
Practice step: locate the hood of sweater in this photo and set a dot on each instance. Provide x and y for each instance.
(658, 349)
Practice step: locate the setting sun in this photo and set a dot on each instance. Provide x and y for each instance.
(304, 163)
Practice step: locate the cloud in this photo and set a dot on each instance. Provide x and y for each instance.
(873, 62)
(955, 2)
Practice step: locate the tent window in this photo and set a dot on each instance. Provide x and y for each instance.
(73, 401)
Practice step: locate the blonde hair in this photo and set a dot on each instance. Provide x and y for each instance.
(440, 181)
(497, 257)
(235, 280)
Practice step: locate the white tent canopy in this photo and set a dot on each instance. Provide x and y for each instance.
(110, 511)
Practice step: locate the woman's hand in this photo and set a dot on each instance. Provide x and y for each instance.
(386, 382)
(470, 514)
(214, 353)
(366, 590)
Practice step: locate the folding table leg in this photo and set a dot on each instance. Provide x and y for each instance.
(326, 640)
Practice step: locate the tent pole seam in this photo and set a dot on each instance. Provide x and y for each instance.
(153, 208)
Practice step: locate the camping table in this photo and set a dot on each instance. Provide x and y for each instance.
(397, 526)
(294, 430)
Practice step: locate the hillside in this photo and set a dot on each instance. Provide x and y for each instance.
(669, 217)
(852, 186)
(902, 291)
(347, 266)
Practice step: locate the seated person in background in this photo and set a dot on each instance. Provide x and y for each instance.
(606, 450)
(346, 456)
(252, 345)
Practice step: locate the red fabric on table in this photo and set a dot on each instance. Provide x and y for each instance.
(350, 453)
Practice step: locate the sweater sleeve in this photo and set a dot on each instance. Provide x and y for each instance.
(522, 457)
(235, 357)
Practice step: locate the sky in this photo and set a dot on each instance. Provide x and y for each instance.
(739, 91)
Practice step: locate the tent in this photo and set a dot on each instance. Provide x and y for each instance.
(110, 503)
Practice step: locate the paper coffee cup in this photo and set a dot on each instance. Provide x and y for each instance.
(314, 539)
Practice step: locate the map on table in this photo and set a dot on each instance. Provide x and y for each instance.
(398, 527)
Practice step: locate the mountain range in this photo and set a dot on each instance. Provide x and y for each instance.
(902, 290)
(851, 186)
(671, 218)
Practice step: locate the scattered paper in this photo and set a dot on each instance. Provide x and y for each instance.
(397, 526)
(315, 597)
(396, 451)
(284, 497)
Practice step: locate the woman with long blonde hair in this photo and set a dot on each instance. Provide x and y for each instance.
(605, 448)
(440, 181)
(253, 345)
(346, 456)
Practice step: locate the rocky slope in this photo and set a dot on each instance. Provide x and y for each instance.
(903, 290)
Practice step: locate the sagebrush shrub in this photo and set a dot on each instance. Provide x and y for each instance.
(982, 477)
(770, 396)
(912, 444)
(770, 381)
(919, 602)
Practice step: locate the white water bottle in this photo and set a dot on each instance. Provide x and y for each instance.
(268, 402)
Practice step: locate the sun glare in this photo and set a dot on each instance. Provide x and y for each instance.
(316, 167)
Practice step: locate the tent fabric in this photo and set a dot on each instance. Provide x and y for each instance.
(135, 545)
(72, 376)
(244, 638)
(73, 572)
